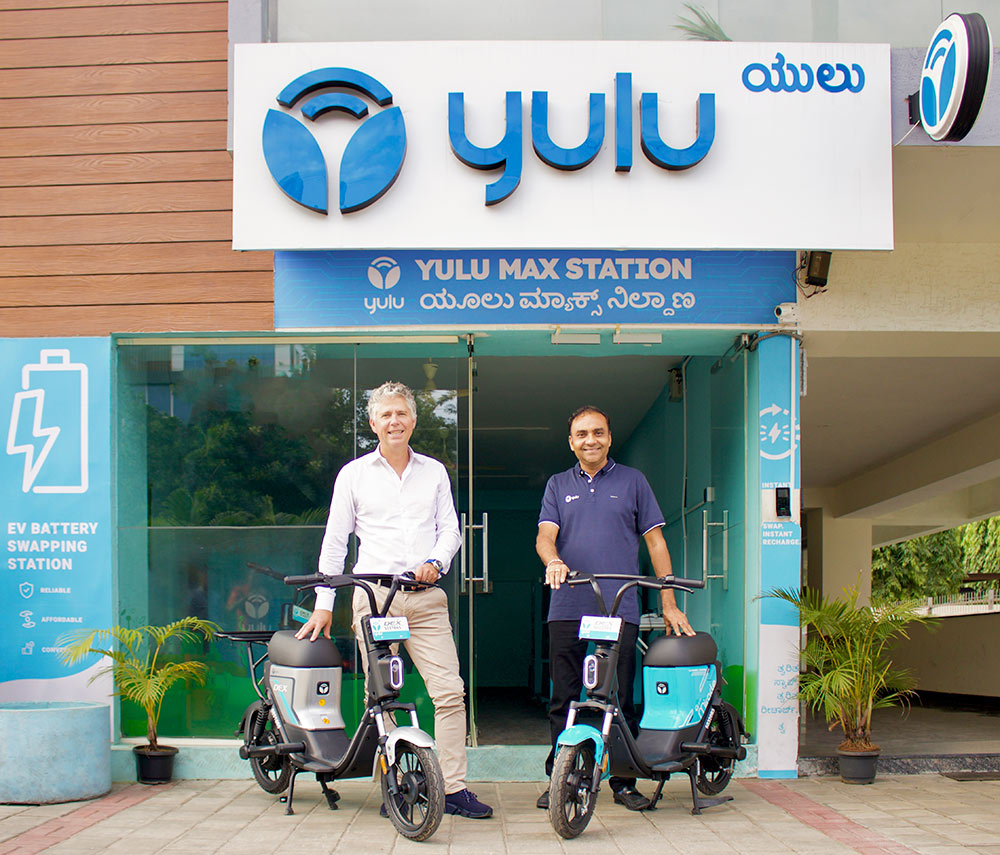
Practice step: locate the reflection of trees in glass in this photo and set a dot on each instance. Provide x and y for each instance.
(265, 450)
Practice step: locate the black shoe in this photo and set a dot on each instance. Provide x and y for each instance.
(631, 798)
(382, 812)
(465, 803)
(543, 801)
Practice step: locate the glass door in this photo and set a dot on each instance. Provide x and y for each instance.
(724, 520)
(441, 376)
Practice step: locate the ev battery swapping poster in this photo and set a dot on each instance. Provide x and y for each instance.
(55, 514)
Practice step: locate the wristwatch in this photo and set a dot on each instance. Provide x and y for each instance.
(437, 565)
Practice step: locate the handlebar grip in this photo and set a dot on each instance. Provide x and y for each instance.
(310, 579)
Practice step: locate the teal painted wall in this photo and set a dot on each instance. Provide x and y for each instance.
(714, 411)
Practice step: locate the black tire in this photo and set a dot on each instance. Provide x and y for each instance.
(714, 773)
(271, 773)
(571, 802)
(416, 812)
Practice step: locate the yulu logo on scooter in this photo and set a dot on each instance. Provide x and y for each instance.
(372, 159)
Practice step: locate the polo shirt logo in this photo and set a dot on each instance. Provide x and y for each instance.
(571, 498)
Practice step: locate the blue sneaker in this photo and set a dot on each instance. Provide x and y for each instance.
(465, 803)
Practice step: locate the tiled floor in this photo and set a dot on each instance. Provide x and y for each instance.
(898, 815)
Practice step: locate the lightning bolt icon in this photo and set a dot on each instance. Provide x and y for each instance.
(774, 433)
(32, 461)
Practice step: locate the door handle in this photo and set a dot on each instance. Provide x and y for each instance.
(724, 525)
(467, 573)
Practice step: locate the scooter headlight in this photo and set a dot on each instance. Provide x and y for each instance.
(590, 671)
(396, 673)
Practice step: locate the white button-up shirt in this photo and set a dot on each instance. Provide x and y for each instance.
(400, 521)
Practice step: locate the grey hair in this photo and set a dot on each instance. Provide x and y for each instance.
(391, 389)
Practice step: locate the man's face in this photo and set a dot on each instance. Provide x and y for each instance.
(590, 439)
(393, 424)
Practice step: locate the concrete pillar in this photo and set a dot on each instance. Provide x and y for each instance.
(838, 547)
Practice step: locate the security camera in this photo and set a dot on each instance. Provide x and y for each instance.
(787, 313)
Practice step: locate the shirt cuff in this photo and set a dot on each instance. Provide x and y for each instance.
(325, 598)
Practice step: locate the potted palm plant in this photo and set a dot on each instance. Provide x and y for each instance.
(848, 669)
(143, 675)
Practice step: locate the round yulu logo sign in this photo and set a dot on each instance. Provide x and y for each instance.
(955, 76)
(372, 158)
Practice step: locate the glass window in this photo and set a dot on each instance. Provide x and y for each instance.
(227, 454)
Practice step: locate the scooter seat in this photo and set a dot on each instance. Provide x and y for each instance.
(285, 649)
(671, 651)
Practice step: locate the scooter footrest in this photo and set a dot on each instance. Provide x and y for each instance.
(317, 767)
(727, 753)
(247, 751)
(669, 768)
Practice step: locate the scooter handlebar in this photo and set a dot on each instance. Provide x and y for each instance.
(656, 582)
(314, 580)
(344, 580)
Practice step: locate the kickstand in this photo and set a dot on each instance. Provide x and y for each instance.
(332, 796)
(657, 795)
(699, 801)
(287, 798)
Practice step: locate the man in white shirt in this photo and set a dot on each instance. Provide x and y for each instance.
(399, 504)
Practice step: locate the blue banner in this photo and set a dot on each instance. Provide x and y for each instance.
(56, 505)
(351, 288)
(781, 543)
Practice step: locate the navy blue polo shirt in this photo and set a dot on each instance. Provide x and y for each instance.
(601, 521)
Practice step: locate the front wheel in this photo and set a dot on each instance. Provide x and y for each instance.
(571, 802)
(714, 773)
(272, 773)
(418, 805)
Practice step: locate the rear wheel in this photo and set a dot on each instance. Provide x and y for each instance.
(417, 807)
(571, 802)
(714, 773)
(272, 773)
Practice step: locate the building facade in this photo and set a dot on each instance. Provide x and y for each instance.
(218, 353)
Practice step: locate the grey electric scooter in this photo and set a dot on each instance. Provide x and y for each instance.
(296, 726)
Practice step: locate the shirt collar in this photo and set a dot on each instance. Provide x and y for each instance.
(375, 457)
(604, 470)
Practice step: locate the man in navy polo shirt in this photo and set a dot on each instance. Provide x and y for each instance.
(592, 519)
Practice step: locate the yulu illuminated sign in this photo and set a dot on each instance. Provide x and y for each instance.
(508, 152)
(374, 155)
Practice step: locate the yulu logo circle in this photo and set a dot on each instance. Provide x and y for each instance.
(955, 76)
(373, 156)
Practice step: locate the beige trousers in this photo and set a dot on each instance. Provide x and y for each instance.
(431, 646)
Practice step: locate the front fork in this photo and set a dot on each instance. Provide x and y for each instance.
(384, 757)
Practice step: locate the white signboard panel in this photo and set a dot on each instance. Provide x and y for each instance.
(799, 156)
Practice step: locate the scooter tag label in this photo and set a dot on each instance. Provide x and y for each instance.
(300, 614)
(390, 629)
(594, 628)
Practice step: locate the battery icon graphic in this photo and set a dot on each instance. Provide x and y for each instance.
(48, 424)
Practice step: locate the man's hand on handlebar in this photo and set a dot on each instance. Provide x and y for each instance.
(319, 623)
(555, 574)
(426, 573)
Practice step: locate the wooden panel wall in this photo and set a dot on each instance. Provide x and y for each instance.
(115, 183)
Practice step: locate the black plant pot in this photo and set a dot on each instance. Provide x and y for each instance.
(858, 767)
(154, 765)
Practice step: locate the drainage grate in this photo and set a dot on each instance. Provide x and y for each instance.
(972, 776)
